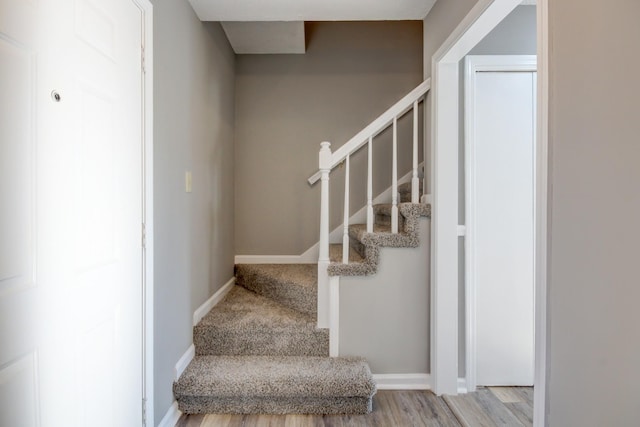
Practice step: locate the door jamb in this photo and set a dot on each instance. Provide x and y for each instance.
(542, 200)
(479, 22)
(482, 18)
(147, 391)
(474, 64)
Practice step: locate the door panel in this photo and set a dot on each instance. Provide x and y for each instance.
(503, 181)
(71, 173)
(18, 390)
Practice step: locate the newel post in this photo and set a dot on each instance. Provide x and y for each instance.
(324, 163)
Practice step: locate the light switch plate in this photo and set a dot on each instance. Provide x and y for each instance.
(187, 181)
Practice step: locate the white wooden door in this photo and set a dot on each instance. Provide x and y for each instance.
(500, 217)
(71, 197)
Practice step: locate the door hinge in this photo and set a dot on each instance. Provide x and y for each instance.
(144, 236)
(143, 63)
(144, 411)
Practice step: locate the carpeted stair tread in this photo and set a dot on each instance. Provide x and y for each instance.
(292, 285)
(359, 232)
(246, 323)
(369, 244)
(275, 385)
(335, 254)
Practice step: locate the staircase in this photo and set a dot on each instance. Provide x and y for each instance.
(266, 347)
(259, 351)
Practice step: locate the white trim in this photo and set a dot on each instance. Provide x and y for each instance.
(334, 316)
(273, 259)
(311, 255)
(184, 361)
(402, 381)
(146, 8)
(482, 18)
(473, 65)
(462, 386)
(213, 301)
(542, 173)
(172, 416)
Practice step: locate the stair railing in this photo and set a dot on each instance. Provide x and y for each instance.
(328, 160)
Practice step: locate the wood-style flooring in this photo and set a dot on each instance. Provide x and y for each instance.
(488, 407)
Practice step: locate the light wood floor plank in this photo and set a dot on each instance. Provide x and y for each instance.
(433, 410)
(221, 420)
(265, 420)
(303, 421)
(401, 408)
(191, 421)
(527, 393)
(507, 394)
(522, 411)
(481, 409)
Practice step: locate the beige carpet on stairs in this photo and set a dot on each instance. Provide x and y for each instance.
(259, 351)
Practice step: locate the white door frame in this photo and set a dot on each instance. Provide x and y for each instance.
(147, 210)
(473, 65)
(482, 18)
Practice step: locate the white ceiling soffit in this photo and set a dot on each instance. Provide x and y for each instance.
(265, 37)
(311, 10)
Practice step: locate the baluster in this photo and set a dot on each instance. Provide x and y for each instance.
(323, 259)
(394, 179)
(370, 187)
(345, 230)
(415, 182)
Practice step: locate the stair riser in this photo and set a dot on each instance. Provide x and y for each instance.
(357, 246)
(405, 197)
(404, 191)
(214, 342)
(269, 405)
(382, 219)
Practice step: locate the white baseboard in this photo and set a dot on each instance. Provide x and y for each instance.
(172, 416)
(462, 386)
(403, 381)
(273, 259)
(184, 361)
(173, 413)
(310, 256)
(211, 302)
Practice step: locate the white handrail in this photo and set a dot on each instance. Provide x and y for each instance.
(375, 127)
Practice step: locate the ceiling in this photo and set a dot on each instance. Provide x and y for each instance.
(311, 10)
(277, 26)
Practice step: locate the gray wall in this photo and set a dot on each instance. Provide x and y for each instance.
(193, 130)
(594, 289)
(287, 104)
(385, 317)
(515, 35)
